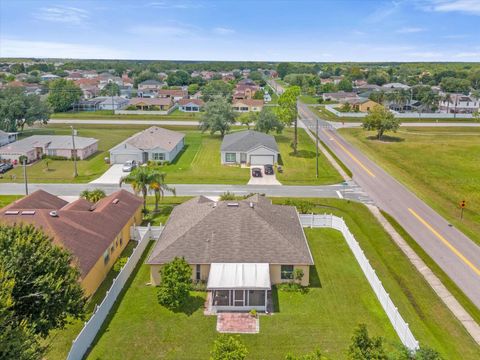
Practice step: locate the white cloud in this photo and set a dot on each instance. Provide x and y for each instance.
(162, 30)
(464, 6)
(223, 31)
(468, 55)
(410, 30)
(174, 5)
(63, 14)
(383, 12)
(47, 49)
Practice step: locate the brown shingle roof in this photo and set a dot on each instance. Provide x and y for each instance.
(248, 102)
(205, 232)
(150, 101)
(198, 102)
(152, 138)
(85, 233)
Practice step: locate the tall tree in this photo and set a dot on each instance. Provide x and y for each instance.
(111, 89)
(175, 283)
(380, 120)
(287, 111)
(218, 116)
(94, 195)
(18, 109)
(268, 121)
(46, 290)
(216, 89)
(63, 94)
(159, 187)
(140, 178)
(178, 78)
(364, 347)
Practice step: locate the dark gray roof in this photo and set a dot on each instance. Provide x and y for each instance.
(248, 140)
(205, 232)
(150, 82)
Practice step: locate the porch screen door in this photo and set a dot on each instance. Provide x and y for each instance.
(239, 298)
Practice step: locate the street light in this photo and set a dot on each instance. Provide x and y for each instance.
(75, 172)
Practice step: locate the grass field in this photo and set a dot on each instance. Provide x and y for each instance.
(108, 114)
(7, 199)
(308, 99)
(325, 317)
(199, 163)
(441, 165)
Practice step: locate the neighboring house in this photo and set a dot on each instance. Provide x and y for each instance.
(190, 105)
(175, 94)
(249, 147)
(89, 104)
(340, 96)
(48, 77)
(95, 234)
(247, 105)
(147, 104)
(113, 103)
(150, 85)
(459, 104)
(362, 105)
(395, 86)
(154, 143)
(36, 146)
(7, 138)
(239, 248)
(245, 91)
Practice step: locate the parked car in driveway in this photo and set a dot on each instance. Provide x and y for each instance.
(257, 172)
(4, 167)
(129, 166)
(268, 169)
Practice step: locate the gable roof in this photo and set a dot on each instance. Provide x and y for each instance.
(152, 138)
(150, 101)
(198, 102)
(83, 228)
(151, 82)
(248, 102)
(251, 231)
(248, 140)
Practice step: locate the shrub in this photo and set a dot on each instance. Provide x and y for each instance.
(228, 348)
(120, 263)
(175, 283)
(298, 275)
(253, 313)
(227, 196)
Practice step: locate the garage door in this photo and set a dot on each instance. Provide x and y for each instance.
(261, 159)
(122, 158)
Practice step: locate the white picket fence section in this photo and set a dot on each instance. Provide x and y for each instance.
(335, 222)
(91, 328)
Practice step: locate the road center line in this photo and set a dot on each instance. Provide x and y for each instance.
(446, 242)
(354, 158)
(339, 194)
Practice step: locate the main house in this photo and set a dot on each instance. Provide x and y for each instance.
(36, 146)
(249, 147)
(95, 234)
(154, 143)
(239, 248)
(190, 105)
(247, 105)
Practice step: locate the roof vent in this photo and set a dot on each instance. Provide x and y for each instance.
(214, 204)
(115, 201)
(28, 212)
(251, 204)
(53, 213)
(11, 212)
(232, 204)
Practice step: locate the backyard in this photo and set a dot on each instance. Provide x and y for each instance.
(199, 163)
(108, 114)
(439, 164)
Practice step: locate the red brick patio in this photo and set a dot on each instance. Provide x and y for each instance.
(241, 323)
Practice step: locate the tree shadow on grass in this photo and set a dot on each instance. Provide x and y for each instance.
(306, 154)
(386, 138)
(192, 304)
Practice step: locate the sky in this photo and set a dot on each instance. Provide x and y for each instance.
(237, 30)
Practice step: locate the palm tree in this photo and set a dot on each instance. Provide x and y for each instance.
(448, 99)
(93, 195)
(159, 186)
(140, 179)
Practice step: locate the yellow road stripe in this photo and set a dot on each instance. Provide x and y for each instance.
(354, 158)
(446, 242)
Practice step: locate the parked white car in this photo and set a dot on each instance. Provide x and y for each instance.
(129, 166)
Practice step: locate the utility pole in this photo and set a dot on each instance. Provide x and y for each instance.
(316, 135)
(75, 172)
(25, 175)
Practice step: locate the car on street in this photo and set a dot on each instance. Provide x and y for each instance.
(129, 166)
(4, 167)
(268, 169)
(256, 172)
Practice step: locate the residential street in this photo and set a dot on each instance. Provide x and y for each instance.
(454, 252)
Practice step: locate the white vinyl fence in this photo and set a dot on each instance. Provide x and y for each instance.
(405, 115)
(331, 221)
(85, 338)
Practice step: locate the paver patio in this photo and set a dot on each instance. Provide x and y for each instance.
(238, 323)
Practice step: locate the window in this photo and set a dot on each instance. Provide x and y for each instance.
(106, 256)
(197, 272)
(230, 157)
(243, 108)
(286, 272)
(158, 156)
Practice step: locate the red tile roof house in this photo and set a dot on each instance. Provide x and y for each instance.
(190, 105)
(240, 249)
(95, 234)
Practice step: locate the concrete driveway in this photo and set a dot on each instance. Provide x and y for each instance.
(111, 176)
(264, 180)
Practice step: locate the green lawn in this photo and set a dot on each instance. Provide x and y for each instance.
(323, 318)
(199, 163)
(108, 114)
(7, 199)
(441, 165)
(309, 99)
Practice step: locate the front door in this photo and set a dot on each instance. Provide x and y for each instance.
(239, 299)
(144, 157)
(243, 158)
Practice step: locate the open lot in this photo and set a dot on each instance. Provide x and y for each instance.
(199, 163)
(441, 165)
(108, 114)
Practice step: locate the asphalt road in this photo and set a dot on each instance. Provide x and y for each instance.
(454, 252)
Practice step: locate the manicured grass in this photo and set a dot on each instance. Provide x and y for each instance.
(441, 165)
(108, 114)
(430, 320)
(324, 318)
(339, 162)
(308, 99)
(300, 169)
(7, 199)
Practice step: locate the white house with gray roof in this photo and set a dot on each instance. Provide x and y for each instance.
(238, 248)
(154, 143)
(249, 147)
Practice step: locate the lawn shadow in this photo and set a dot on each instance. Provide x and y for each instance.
(179, 155)
(306, 154)
(386, 138)
(315, 281)
(275, 302)
(192, 304)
